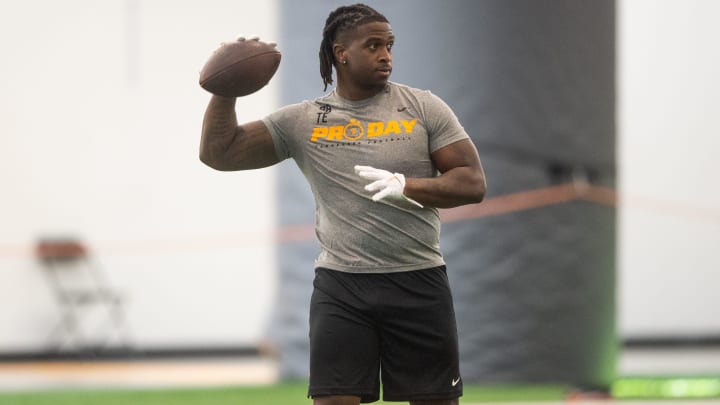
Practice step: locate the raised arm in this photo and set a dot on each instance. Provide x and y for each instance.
(227, 146)
(462, 179)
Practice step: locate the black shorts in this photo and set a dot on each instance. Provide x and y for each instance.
(398, 327)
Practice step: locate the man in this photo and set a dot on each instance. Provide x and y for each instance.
(380, 159)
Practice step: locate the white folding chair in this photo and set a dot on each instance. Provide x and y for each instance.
(81, 289)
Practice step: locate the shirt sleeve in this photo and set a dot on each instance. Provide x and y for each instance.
(442, 124)
(279, 124)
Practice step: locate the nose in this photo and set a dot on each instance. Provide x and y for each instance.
(385, 55)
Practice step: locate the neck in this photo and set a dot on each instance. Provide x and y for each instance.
(351, 91)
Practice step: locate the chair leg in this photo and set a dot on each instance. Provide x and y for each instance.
(67, 334)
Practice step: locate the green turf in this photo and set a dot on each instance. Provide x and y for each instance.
(651, 387)
(513, 393)
(294, 393)
(280, 394)
(277, 394)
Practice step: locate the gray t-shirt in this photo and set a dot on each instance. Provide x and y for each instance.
(396, 130)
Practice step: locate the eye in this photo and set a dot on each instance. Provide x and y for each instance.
(373, 46)
(390, 45)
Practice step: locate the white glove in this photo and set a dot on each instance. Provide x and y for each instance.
(391, 185)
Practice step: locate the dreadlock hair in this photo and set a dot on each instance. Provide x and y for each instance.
(343, 19)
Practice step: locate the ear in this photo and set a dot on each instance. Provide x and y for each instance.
(339, 52)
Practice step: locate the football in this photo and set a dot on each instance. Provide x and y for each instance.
(240, 68)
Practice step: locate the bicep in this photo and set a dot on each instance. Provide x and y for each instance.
(457, 154)
(461, 172)
(252, 147)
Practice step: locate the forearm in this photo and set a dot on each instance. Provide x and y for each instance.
(458, 186)
(218, 131)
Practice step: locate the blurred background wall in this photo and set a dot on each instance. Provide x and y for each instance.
(100, 115)
(668, 130)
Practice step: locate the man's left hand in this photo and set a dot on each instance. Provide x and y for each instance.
(390, 185)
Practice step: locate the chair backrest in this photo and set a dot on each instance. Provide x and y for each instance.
(66, 261)
(50, 250)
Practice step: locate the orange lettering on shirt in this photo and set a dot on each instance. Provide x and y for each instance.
(375, 129)
(318, 132)
(336, 133)
(392, 128)
(409, 125)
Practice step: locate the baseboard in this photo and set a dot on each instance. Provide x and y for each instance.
(129, 353)
(149, 353)
(672, 342)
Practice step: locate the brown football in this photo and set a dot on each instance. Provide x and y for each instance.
(240, 68)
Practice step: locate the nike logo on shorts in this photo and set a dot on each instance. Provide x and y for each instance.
(455, 382)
